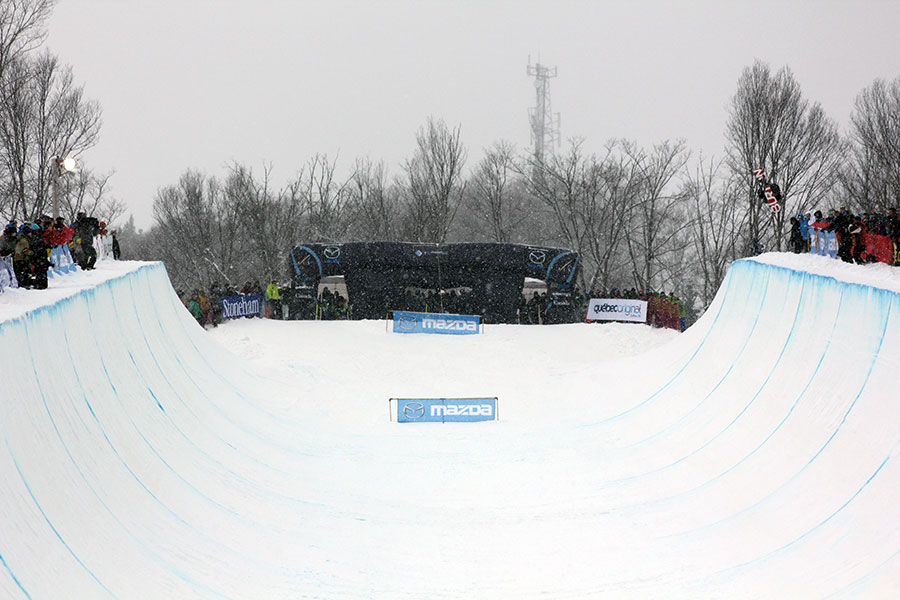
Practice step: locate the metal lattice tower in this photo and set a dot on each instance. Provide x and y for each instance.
(544, 127)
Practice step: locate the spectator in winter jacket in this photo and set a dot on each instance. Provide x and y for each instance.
(274, 299)
(856, 229)
(194, 308)
(116, 251)
(894, 225)
(796, 236)
(38, 260)
(22, 256)
(841, 226)
(60, 235)
(8, 240)
(85, 229)
(819, 221)
(804, 230)
(216, 293)
(206, 316)
(893, 232)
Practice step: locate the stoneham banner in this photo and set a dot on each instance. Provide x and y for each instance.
(243, 305)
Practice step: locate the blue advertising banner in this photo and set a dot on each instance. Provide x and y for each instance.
(415, 322)
(244, 305)
(445, 410)
(823, 243)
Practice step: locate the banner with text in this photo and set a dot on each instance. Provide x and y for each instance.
(824, 243)
(617, 309)
(244, 305)
(445, 410)
(415, 322)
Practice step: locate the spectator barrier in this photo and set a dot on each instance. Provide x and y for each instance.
(617, 309)
(878, 248)
(62, 261)
(7, 275)
(658, 311)
(242, 305)
(823, 243)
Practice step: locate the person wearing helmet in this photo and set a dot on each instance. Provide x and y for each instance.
(8, 240)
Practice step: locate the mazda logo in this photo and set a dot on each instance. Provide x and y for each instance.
(407, 321)
(413, 410)
(332, 252)
(537, 257)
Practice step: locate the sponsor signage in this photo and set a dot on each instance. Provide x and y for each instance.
(445, 410)
(537, 257)
(244, 305)
(332, 254)
(415, 322)
(823, 242)
(617, 309)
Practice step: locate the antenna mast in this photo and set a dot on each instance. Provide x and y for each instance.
(544, 128)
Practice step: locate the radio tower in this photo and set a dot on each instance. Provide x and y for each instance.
(544, 128)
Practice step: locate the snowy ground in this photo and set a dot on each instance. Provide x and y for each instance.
(753, 456)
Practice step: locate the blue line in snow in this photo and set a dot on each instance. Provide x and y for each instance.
(14, 578)
(50, 524)
(812, 529)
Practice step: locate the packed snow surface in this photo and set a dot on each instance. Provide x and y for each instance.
(754, 456)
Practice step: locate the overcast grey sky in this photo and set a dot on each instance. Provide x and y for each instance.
(202, 83)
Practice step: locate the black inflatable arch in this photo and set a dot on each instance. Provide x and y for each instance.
(379, 275)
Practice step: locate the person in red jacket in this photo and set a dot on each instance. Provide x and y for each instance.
(61, 235)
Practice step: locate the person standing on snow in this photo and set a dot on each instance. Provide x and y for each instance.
(796, 236)
(194, 308)
(85, 229)
(116, 251)
(22, 256)
(273, 297)
(38, 259)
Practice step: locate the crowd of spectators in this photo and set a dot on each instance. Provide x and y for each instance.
(331, 306)
(33, 248)
(532, 310)
(852, 232)
(663, 310)
(206, 305)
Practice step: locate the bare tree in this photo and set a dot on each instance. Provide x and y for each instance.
(373, 204)
(44, 115)
(772, 127)
(656, 220)
(872, 176)
(198, 232)
(268, 220)
(89, 192)
(716, 219)
(496, 199)
(22, 29)
(434, 182)
(325, 197)
(586, 197)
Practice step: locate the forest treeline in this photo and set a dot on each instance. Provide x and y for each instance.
(657, 217)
